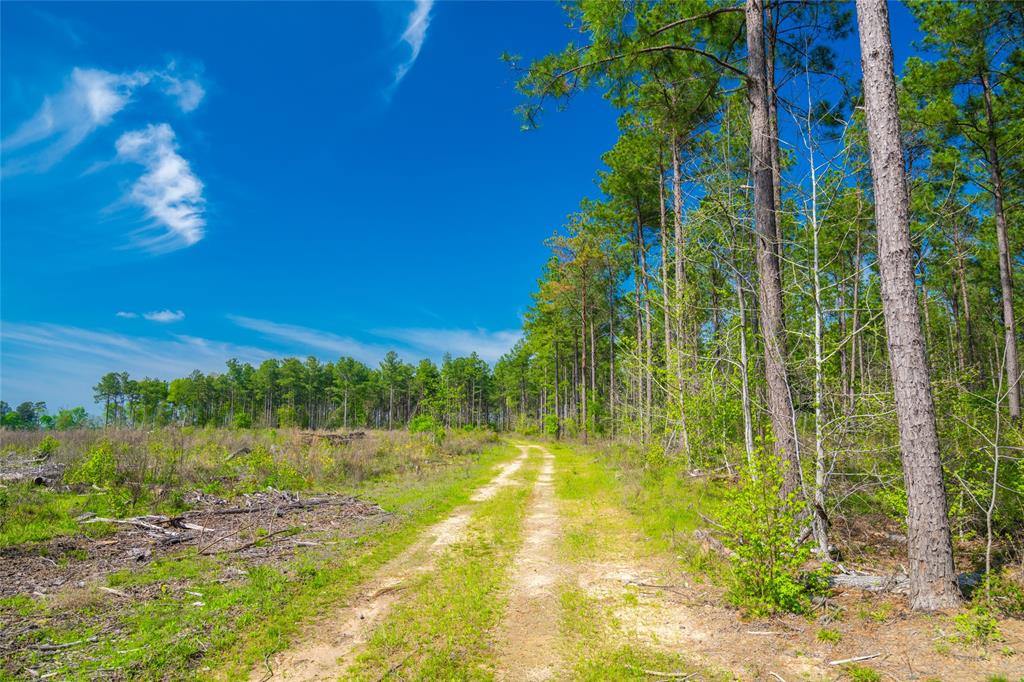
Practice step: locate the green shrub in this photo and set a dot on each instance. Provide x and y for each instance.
(48, 446)
(425, 423)
(829, 636)
(761, 528)
(862, 673)
(287, 417)
(977, 626)
(1003, 594)
(98, 467)
(265, 471)
(242, 420)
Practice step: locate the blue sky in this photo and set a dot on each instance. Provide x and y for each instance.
(185, 183)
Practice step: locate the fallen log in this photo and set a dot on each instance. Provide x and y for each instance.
(139, 521)
(238, 453)
(898, 583)
(711, 542)
(855, 659)
(48, 475)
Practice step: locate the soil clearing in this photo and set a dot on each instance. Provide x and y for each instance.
(215, 526)
(652, 603)
(330, 643)
(527, 652)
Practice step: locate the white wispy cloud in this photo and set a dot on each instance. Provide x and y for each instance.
(169, 191)
(187, 91)
(89, 100)
(60, 364)
(412, 343)
(126, 314)
(165, 316)
(307, 339)
(489, 345)
(413, 36)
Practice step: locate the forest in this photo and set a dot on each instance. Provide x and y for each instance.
(786, 320)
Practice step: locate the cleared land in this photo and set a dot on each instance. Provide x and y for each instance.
(527, 562)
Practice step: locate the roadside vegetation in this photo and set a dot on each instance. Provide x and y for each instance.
(219, 602)
(444, 627)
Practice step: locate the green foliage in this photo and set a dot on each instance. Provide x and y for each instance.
(98, 467)
(242, 420)
(48, 446)
(977, 626)
(287, 417)
(862, 673)
(761, 527)
(1002, 593)
(829, 636)
(425, 423)
(264, 470)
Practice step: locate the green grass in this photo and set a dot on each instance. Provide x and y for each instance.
(829, 636)
(862, 673)
(257, 611)
(597, 528)
(30, 513)
(443, 627)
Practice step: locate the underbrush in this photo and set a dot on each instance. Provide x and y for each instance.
(123, 472)
(188, 616)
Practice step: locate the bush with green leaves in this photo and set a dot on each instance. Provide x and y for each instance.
(762, 527)
(1002, 593)
(98, 467)
(977, 626)
(48, 446)
(425, 423)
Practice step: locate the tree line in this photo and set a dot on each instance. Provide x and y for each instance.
(310, 394)
(791, 250)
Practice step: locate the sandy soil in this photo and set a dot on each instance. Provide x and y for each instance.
(528, 635)
(655, 605)
(331, 642)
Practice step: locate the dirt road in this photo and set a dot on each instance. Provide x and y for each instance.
(571, 590)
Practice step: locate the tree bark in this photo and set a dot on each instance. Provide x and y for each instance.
(932, 576)
(770, 281)
(1005, 272)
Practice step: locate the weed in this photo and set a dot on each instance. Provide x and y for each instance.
(761, 527)
(829, 636)
(862, 673)
(976, 626)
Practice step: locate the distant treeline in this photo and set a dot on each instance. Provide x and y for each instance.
(308, 393)
(34, 415)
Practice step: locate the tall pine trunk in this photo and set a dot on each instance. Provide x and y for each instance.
(770, 282)
(932, 577)
(1005, 271)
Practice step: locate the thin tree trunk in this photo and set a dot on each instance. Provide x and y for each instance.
(932, 576)
(748, 421)
(773, 118)
(961, 275)
(679, 275)
(1005, 272)
(856, 342)
(770, 283)
(820, 518)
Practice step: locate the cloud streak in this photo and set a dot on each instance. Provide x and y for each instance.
(308, 339)
(165, 316)
(413, 36)
(410, 342)
(89, 100)
(169, 191)
(489, 345)
(61, 363)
